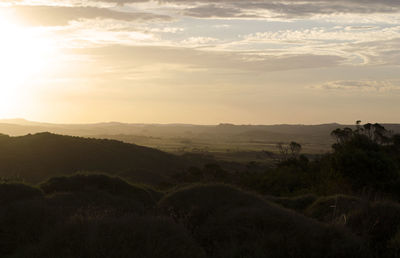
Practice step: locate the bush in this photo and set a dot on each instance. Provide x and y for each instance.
(378, 224)
(97, 182)
(298, 203)
(23, 223)
(333, 208)
(394, 245)
(98, 194)
(23, 216)
(230, 223)
(12, 192)
(123, 237)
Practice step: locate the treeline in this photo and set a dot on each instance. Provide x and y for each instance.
(363, 161)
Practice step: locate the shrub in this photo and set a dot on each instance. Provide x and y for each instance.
(22, 216)
(123, 237)
(23, 223)
(394, 245)
(11, 192)
(334, 209)
(98, 193)
(298, 203)
(378, 224)
(97, 182)
(230, 223)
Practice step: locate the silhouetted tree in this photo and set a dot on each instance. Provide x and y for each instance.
(342, 135)
(283, 150)
(361, 156)
(295, 149)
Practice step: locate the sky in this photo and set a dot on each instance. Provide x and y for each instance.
(200, 62)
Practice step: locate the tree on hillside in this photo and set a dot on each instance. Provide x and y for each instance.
(295, 149)
(289, 151)
(342, 135)
(283, 150)
(363, 157)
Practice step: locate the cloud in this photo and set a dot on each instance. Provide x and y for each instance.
(297, 8)
(361, 85)
(213, 10)
(360, 46)
(279, 8)
(62, 15)
(213, 61)
(378, 52)
(319, 34)
(128, 24)
(199, 41)
(166, 29)
(262, 8)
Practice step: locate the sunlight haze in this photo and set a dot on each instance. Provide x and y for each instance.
(200, 62)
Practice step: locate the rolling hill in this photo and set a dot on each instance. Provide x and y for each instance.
(178, 138)
(36, 157)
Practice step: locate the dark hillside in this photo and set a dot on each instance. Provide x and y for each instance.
(36, 157)
(228, 222)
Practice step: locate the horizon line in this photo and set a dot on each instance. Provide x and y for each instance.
(32, 122)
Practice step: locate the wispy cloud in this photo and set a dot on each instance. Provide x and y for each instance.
(361, 85)
(35, 15)
(251, 8)
(283, 8)
(318, 35)
(253, 54)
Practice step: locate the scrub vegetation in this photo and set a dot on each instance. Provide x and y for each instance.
(64, 196)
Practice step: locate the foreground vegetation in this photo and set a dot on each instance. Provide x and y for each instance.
(99, 216)
(341, 204)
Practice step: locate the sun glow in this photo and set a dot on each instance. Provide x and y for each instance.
(24, 57)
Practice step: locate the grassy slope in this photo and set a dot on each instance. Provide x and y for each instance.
(37, 157)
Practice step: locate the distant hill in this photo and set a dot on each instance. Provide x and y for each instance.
(36, 157)
(186, 137)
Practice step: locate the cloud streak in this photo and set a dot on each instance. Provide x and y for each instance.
(125, 56)
(256, 8)
(62, 15)
(361, 85)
